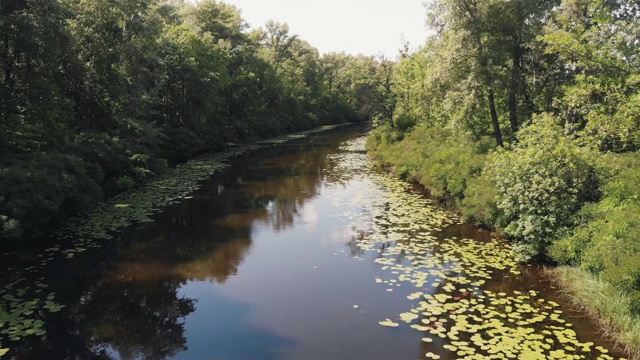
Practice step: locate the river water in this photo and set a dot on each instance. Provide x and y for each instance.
(301, 250)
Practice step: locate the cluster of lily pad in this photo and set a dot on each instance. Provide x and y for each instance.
(23, 303)
(453, 302)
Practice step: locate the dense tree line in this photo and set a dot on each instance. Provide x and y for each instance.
(99, 96)
(527, 115)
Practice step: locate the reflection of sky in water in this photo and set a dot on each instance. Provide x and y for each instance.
(219, 329)
(295, 293)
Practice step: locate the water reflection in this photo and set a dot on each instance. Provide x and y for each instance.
(117, 319)
(128, 321)
(228, 334)
(132, 298)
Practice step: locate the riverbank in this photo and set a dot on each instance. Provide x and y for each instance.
(553, 199)
(613, 309)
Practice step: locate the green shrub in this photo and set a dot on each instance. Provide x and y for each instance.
(540, 185)
(125, 182)
(405, 123)
(605, 240)
(181, 144)
(615, 249)
(10, 228)
(158, 166)
(35, 192)
(479, 202)
(570, 247)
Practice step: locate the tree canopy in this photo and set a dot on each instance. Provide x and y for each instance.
(99, 96)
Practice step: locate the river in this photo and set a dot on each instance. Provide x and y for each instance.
(299, 250)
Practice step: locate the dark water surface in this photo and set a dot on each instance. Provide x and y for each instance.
(263, 262)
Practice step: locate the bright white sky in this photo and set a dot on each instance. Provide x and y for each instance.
(369, 27)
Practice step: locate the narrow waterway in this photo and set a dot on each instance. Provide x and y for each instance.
(301, 250)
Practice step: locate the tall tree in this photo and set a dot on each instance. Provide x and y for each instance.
(277, 40)
(223, 22)
(35, 54)
(470, 19)
(598, 44)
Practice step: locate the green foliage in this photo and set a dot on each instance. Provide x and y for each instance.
(44, 189)
(100, 96)
(434, 157)
(540, 185)
(479, 202)
(597, 40)
(605, 240)
(125, 182)
(11, 228)
(405, 122)
(560, 80)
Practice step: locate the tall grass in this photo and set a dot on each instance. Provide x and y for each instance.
(613, 308)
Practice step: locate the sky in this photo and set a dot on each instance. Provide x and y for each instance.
(370, 27)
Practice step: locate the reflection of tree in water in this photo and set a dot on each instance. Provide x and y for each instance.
(288, 182)
(114, 319)
(194, 261)
(204, 239)
(136, 321)
(354, 243)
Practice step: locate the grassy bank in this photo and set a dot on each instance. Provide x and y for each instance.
(552, 197)
(614, 309)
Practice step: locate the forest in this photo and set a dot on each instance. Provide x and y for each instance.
(97, 97)
(526, 116)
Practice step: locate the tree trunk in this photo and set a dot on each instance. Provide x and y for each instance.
(513, 86)
(487, 78)
(494, 119)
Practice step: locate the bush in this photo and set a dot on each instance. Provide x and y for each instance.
(10, 228)
(35, 192)
(479, 202)
(405, 123)
(181, 144)
(540, 185)
(605, 240)
(125, 182)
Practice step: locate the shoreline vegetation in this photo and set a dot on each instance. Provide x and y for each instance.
(526, 115)
(612, 308)
(441, 167)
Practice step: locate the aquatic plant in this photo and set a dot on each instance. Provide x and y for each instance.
(454, 279)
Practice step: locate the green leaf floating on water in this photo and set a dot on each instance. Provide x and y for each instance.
(3, 351)
(389, 323)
